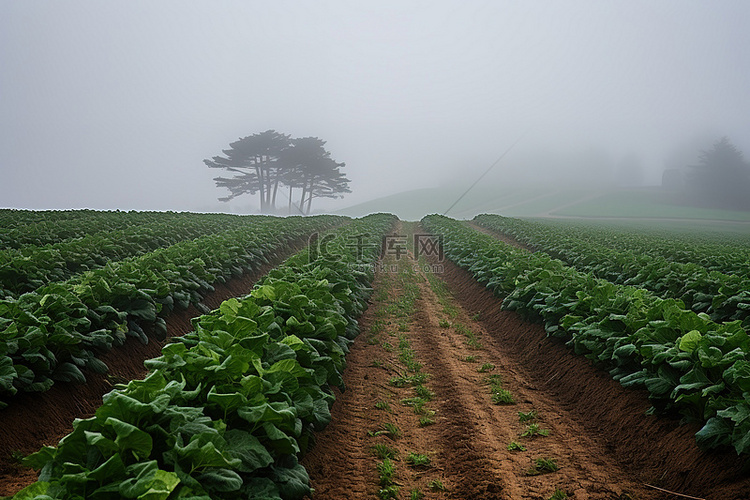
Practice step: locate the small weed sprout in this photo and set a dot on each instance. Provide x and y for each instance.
(436, 485)
(486, 367)
(392, 430)
(387, 472)
(383, 405)
(444, 323)
(417, 460)
(527, 417)
(542, 465)
(534, 430)
(558, 495)
(425, 421)
(515, 446)
(416, 494)
(382, 451)
(503, 397)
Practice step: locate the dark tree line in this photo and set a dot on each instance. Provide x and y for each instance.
(269, 162)
(721, 178)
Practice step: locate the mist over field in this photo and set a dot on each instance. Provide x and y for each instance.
(116, 105)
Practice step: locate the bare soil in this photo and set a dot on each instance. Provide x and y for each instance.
(599, 436)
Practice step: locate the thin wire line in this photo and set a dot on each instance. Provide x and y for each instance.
(487, 171)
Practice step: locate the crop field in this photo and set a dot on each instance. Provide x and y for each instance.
(161, 355)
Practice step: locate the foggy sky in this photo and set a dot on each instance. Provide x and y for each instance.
(115, 104)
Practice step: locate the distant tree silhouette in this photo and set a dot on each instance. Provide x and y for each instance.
(721, 178)
(262, 162)
(310, 168)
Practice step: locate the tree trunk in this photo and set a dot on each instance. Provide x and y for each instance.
(303, 197)
(275, 189)
(290, 201)
(259, 173)
(310, 195)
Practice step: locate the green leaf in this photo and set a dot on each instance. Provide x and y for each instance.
(246, 447)
(221, 480)
(35, 491)
(716, 432)
(130, 437)
(690, 340)
(68, 372)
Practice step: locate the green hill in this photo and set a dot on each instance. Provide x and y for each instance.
(549, 202)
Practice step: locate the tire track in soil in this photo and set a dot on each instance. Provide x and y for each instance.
(468, 442)
(35, 420)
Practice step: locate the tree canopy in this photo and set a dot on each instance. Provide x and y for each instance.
(722, 176)
(263, 162)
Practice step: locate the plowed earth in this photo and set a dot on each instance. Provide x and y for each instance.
(604, 444)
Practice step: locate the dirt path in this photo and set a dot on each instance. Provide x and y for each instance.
(467, 441)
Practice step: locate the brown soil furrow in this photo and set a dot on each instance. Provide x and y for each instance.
(607, 419)
(585, 468)
(339, 463)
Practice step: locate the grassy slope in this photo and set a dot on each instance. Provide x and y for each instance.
(643, 203)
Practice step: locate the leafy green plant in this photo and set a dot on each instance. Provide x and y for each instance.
(383, 405)
(392, 430)
(416, 403)
(688, 361)
(423, 392)
(424, 421)
(527, 417)
(515, 446)
(227, 408)
(534, 430)
(502, 397)
(542, 465)
(436, 485)
(558, 495)
(387, 472)
(416, 494)
(473, 343)
(444, 323)
(404, 381)
(388, 492)
(418, 460)
(486, 367)
(382, 451)
(387, 346)
(470, 359)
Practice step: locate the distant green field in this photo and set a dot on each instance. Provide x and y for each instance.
(644, 203)
(542, 202)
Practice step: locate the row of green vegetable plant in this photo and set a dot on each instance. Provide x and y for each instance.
(26, 269)
(13, 217)
(54, 229)
(51, 334)
(688, 363)
(726, 252)
(723, 297)
(228, 409)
